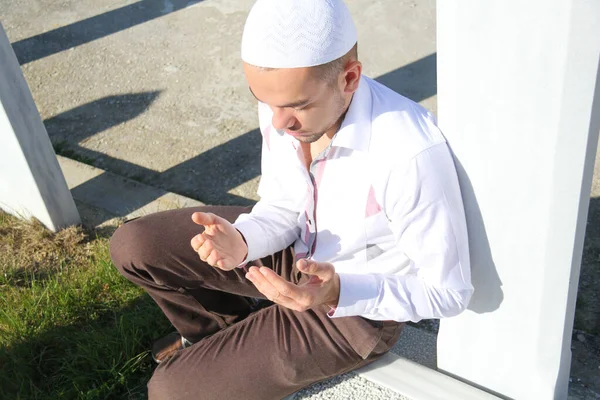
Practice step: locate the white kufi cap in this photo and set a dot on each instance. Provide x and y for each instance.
(297, 33)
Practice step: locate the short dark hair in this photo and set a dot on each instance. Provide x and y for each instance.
(331, 70)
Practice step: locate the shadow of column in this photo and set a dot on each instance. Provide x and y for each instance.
(93, 28)
(488, 294)
(587, 313)
(417, 80)
(208, 176)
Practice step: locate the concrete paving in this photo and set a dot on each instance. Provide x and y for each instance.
(154, 91)
(105, 199)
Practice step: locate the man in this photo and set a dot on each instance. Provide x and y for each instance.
(360, 226)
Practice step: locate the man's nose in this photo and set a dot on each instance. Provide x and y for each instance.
(282, 118)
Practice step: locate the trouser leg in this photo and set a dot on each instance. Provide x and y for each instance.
(154, 252)
(269, 355)
(265, 355)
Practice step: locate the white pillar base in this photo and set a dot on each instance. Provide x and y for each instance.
(31, 182)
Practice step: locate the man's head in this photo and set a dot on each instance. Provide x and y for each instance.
(300, 58)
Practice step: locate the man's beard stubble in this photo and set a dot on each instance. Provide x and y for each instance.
(340, 104)
(311, 138)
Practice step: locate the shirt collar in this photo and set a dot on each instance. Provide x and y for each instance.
(355, 131)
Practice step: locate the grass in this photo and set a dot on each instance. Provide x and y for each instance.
(71, 327)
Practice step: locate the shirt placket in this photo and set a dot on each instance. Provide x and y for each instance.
(310, 229)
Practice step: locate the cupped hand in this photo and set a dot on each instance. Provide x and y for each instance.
(220, 245)
(323, 286)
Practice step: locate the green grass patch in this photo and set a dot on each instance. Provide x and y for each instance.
(71, 327)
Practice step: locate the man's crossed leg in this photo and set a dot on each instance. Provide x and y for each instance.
(236, 352)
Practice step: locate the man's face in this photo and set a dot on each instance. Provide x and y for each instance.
(303, 104)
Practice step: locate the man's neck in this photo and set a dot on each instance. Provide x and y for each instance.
(315, 148)
(318, 146)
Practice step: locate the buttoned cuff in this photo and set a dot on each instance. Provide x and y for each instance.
(358, 295)
(252, 235)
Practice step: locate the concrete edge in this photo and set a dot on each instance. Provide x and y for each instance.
(418, 382)
(106, 199)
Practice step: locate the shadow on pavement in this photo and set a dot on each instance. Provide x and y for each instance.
(209, 176)
(417, 80)
(80, 123)
(90, 29)
(587, 314)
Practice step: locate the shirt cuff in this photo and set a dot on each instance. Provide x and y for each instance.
(358, 295)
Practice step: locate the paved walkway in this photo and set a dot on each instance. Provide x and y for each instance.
(154, 90)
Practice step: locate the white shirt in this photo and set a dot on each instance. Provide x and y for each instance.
(382, 204)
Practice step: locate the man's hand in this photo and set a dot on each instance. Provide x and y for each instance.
(220, 245)
(323, 287)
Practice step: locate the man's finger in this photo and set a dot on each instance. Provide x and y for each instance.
(205, 250)
(261, 283)
(197, 242)
(265, 287)
(202, 218)
(213, 258)
(282, 286)
(310, 267)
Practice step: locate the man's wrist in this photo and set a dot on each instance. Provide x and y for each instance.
(245, 243)
(335, 295)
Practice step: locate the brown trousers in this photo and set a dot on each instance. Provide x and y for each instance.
(238, 353)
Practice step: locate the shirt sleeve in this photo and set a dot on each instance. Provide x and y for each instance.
(272, 225)
(424, 206)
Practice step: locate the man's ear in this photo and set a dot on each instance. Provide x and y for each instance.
(352, 73)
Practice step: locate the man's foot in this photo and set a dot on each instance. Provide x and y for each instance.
(165, 347)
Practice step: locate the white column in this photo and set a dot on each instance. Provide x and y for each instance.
(31, 182)
(519, 101)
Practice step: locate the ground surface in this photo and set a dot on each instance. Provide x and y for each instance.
(153, 90)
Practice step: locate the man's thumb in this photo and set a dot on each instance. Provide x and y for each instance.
(204, 219)
(309, 267)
